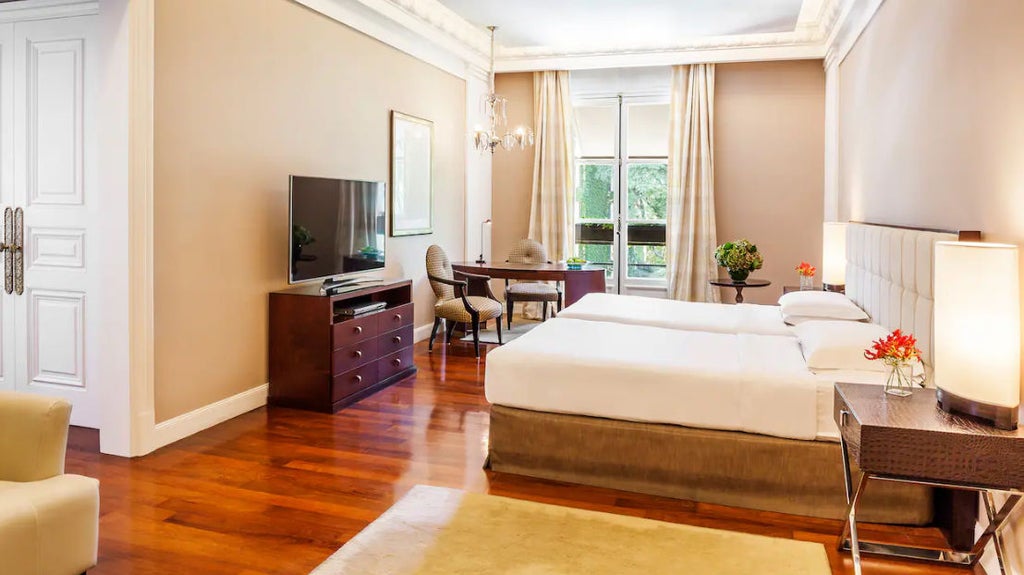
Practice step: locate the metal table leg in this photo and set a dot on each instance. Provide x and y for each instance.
(997, 520)
(850, 525)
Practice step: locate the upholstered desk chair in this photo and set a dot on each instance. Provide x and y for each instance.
(454, 305)
(49, 520)
(530, 252)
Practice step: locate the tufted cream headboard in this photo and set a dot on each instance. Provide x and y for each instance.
(889, 275)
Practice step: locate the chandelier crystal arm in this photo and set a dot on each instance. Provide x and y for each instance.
(495, 107)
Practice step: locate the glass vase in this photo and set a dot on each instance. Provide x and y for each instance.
(900, 381)
(806, 283)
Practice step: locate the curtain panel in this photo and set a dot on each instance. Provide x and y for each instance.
(551, 207)
(691, 238)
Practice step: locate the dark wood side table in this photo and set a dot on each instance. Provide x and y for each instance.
(787, 289)
(909, 439)
(738, 286)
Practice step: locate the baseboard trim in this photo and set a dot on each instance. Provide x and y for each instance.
(422, 332)
(186, 424)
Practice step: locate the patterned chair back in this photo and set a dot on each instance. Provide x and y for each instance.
(528, 251)
(439, 265)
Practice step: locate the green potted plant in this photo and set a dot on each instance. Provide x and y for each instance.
(740, 258)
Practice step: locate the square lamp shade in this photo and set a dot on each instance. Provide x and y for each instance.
(977, 330)
(833, 256)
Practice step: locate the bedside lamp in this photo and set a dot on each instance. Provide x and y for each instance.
(833, 256)
(977, 331)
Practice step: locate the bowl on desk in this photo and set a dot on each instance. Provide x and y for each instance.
(575, 263)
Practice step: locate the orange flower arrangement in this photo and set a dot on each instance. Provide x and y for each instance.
(806, 269)
(895, 348)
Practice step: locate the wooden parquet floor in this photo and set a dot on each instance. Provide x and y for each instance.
(279, 490)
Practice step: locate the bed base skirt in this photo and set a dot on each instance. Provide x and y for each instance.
(722, 467)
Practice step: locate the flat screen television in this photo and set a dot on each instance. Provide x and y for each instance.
(336, 227)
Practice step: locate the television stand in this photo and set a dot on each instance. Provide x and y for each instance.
(323, 360)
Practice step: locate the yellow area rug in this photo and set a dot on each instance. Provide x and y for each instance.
(437, 531)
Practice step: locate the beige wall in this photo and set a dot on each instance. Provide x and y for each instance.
(932, 117)
(248, 92)
(931, 123)
(769, 165)
(512, 172)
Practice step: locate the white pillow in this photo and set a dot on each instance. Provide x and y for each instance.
(799, 306)
(839, 344)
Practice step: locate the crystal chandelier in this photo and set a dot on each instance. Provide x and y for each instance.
(497, 134)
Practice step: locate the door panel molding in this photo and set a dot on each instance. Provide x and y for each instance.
(55, 100)
(56, 335)
(55, 248)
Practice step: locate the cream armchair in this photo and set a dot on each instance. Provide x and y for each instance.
(49, 521)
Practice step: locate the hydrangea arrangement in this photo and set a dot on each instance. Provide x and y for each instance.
(740, 258)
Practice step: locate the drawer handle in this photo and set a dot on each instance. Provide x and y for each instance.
(358, 379)
(397, 339)
(357, 353)
(398, 317)
(843, 415)
(358, 329)
(397, 361)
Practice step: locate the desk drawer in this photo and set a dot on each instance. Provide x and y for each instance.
(394, 318)
(354, 330)
(396, 362)
(353, 356)
(353, 381)
(394, 341)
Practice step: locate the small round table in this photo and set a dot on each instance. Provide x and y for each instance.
(738, 286)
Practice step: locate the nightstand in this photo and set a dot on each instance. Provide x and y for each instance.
(787, 289)
(909, 439)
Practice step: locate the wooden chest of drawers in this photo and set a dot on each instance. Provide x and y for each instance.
(322, 360)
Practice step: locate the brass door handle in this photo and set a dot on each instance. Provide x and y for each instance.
(8, 250)
(19, 252)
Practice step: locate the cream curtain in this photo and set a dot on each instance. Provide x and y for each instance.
(551, 208)
(690, 231)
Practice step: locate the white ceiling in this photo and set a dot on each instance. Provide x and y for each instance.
(581, 26)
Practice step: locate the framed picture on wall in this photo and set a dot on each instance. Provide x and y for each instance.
(412, 191)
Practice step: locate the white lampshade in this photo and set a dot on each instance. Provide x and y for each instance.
(977, 322)
(833, 254)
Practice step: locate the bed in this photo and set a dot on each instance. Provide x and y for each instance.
(672, 314)
(769, 445)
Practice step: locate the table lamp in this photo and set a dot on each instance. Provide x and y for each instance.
(833, 256)
(481, 260)
(977, 331)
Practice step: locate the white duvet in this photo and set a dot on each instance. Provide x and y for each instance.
(673, 314)
(742, 382)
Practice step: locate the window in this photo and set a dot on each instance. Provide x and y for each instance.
(622, 186)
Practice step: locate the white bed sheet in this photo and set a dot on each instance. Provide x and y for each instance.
(742, 382)
(673, 314)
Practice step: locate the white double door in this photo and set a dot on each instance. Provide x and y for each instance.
(48, 176)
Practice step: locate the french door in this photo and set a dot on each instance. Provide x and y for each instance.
(621, 190)
(48, 173)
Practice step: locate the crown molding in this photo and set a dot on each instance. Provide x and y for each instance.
(43, 9)
(424, 29)
(853, 18)
(429, 31)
